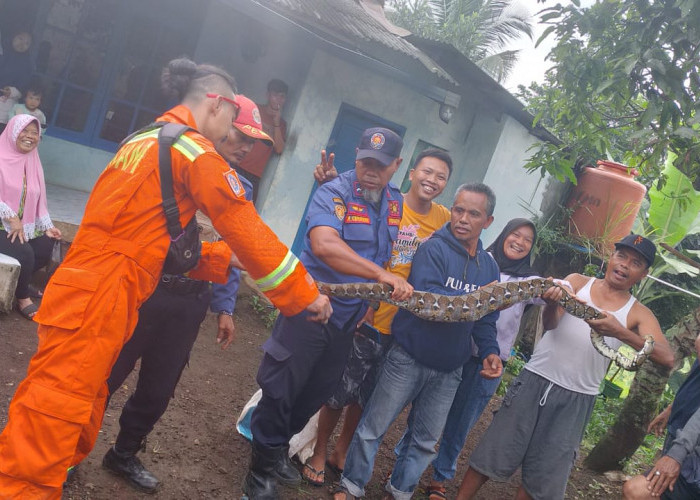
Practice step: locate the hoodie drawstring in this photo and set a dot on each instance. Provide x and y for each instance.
(543, 399)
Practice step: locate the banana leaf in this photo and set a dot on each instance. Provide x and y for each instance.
(674, 208)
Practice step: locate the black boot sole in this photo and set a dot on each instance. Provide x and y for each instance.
(134, 485)
(288, 482)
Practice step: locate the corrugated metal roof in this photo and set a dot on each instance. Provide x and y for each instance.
(346, 22)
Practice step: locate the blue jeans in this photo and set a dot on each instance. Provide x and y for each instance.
(473, 394)
(402, 381)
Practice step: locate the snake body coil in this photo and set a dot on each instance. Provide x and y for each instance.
(485, 300)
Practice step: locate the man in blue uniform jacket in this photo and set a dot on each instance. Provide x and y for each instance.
(352, 222)
(423, 366)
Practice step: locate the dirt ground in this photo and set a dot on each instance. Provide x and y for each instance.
(195, 450)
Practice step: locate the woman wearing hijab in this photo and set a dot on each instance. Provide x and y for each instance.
(511, 250)
(27, 233)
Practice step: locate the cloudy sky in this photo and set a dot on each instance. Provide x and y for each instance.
(532, 65)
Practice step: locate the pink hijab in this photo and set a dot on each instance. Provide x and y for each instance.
(14, 165)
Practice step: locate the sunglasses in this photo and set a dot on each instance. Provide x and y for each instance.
(230, 101)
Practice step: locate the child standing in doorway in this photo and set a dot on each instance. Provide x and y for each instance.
(32, 101)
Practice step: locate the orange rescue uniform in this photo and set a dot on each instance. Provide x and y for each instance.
(90, 307)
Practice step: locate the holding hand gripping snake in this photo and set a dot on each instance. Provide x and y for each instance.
(490, 298)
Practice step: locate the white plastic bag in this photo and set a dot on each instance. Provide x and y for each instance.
(243, 422)
(301, 444)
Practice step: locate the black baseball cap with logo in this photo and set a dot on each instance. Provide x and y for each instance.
(382, 144)
(640, 244)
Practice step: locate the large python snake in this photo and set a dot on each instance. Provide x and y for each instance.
(487, 299)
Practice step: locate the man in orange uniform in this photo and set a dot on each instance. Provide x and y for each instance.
(90, 305)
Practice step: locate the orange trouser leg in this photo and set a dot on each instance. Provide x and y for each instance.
(88, 436)
(59, 400)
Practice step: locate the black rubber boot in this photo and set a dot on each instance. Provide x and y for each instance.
(128, 466)
(261, 481)
(285, 471)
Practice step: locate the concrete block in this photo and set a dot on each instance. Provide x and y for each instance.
(9, 274)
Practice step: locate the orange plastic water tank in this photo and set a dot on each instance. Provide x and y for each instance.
(605, 202)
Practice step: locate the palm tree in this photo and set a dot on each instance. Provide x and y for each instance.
(480, 29)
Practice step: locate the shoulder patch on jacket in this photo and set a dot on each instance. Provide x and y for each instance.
(234, 183)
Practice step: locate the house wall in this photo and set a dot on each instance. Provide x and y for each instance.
(253, 53)
(518, 193)
(332, 81)
(485, 144)
(224, 34)
(71, 165)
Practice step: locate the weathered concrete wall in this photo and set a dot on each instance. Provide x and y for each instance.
(518, 193)
(253, 53)
(71, 165)
(485, 144)
(331, 82)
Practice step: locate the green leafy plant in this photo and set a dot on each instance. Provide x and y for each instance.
(513, 368)
(480, 29)
(674, 205)
(623, 85)
(602, 418)
(267, 313)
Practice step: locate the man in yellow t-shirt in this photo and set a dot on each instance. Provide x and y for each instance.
(421, 217)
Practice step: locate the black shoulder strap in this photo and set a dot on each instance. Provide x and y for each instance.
(168, 134)
(147, 128)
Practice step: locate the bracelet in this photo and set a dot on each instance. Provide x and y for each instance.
(226, 313)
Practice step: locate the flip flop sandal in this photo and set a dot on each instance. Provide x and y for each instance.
(334, 468)
(28, 312)
(320, 475)
(436, 492)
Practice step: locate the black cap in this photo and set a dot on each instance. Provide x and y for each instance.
(382, 144)
(640, 244)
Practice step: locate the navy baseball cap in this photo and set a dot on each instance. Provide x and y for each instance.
(640, 244)
(382, 144)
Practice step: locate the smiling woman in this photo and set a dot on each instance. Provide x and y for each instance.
(27, 233)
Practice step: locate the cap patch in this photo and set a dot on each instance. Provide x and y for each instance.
(256, 116)
(377, 141)
(638, 240)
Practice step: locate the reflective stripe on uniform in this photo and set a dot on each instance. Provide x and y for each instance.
(188, 147)
(185, 145)
(273, 280)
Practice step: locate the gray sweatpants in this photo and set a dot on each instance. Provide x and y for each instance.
(539, 427)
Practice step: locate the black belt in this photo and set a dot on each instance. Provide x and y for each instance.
(181, 284)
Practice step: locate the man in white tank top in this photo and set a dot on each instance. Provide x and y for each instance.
(543, 416)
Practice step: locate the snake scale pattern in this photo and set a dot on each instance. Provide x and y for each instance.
(487, 299)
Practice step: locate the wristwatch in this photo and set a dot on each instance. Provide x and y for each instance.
(225, 313)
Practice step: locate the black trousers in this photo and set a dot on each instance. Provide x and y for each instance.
(167, 328)
(32, 255)
(300, 370)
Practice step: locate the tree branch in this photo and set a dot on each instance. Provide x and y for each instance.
(684, 258)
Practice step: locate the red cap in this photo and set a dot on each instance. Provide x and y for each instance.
(248, 120)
